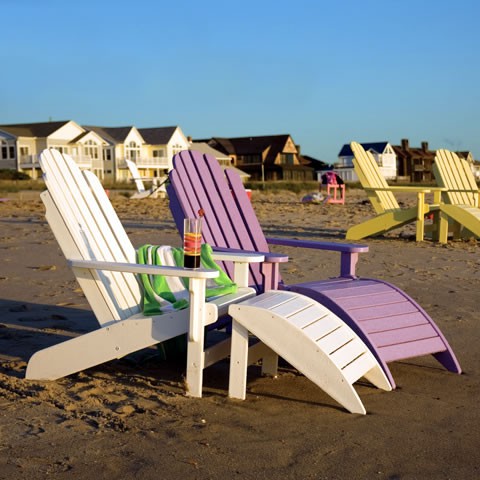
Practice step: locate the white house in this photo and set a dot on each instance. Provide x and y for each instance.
(22, 143)
(102, 150)
(382, 152)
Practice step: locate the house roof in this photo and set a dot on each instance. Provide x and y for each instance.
(412, 152)
(112, 134)
(252, 145)
(157, 135)
(205, 148)
(378, 147)
(33, 129)
(309, 161)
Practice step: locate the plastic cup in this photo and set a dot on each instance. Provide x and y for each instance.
(192, 242)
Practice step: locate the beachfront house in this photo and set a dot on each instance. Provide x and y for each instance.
(223, 159)
(265, 158)
(151, 149)
(382, 152)
(102, 150)
(414, 164)
(22, 143)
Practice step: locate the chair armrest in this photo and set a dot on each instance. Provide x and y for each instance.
(462, 190)
(335, 247)
(241, 260)
(269, 268)
(268, 256)
(349, 251)
(201, 273)
(392, 188)
(241, 256)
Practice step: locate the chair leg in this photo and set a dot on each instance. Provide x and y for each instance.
(237, 387)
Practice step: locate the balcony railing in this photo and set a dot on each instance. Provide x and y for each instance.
(88, 163)
(156, 162)
(28, 161)
(83, 161)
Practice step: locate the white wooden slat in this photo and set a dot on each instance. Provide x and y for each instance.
(105, 310)
(348, 352)
(108, 245)
(319, 364)
(293, 306)
(111, 216)
(269, 299)
(322, 327)
(308, 315)
(335, 339)
(359, 367)
(80, 210)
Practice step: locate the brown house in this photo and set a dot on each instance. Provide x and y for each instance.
(272, 157)
(414, 164)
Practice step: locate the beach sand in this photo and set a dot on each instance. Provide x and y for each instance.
(130, 418)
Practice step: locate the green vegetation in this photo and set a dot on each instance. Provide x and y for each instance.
(9, 174)
(272, 187)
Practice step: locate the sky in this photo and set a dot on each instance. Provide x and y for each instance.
(325, 72)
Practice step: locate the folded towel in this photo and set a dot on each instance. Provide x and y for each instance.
(161, 293)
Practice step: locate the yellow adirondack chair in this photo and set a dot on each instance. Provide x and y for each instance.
(461, 196)
(389, 213)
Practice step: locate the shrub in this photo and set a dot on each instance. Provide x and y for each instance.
(9, 174)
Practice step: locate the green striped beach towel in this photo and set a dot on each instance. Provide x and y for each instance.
(161, 294)
(165, 293)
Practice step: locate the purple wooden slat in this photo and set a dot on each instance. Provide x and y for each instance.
(356, 288)
(191, 197)
(422, 347)
(208, 190)
(247, 213)
(382, 311)
(390, 323)
(403, 335)
(372, 300)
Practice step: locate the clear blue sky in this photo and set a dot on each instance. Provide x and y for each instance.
(324, 72)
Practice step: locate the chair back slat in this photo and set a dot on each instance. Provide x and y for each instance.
(454, 173)
(91, 229)
(372, 179)
(198, 182)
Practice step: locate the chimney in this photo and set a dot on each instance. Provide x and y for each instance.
(425, 146)
(189, 139)
(405, 144)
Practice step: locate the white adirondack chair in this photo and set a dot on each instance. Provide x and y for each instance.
(104, 262)
(157, 188)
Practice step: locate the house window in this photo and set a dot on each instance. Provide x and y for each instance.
(60, 148)
(132, 151)
(287, 159)
(160, 153)
(4, 150)
(91, 149)
(107, 154)
(12, 152)
(249, 159)
(176, 149)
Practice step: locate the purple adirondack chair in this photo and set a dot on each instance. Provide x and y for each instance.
(391, 323)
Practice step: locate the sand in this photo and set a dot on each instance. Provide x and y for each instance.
(131, 418)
